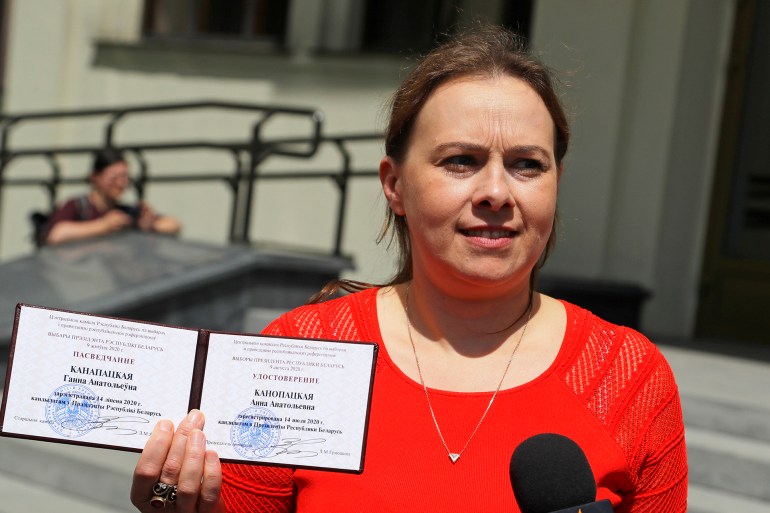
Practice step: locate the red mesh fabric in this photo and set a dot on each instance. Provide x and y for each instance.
(659, 461)
(587, 369)
(340, 320)
(619, 377)
(630, 389)
(257, 489)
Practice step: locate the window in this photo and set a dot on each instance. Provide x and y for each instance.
(406, 25)
(262, 21)
(327, 26)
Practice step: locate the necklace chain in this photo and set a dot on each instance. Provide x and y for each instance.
(454, 456)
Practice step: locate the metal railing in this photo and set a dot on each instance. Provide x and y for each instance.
(248, 155)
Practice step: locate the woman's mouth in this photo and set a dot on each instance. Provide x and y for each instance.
(489, 234)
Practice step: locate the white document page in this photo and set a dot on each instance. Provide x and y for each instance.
(92, 380)
(88, 379)
(288, 401)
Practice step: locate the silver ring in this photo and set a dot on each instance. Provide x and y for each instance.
(162, 494)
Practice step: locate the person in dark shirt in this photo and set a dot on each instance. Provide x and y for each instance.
(100, 212)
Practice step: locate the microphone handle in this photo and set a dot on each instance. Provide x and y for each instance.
(604, 506)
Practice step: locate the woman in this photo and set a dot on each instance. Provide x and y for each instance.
(472, 360)
(100, 211)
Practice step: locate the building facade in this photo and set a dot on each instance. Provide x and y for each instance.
(646, 84)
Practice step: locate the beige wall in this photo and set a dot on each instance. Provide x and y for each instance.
(643, 86)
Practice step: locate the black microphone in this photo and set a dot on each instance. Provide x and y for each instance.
(550, 474)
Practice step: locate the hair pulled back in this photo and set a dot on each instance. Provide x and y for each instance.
(485, 51)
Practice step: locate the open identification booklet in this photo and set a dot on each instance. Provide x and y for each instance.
(101, 381)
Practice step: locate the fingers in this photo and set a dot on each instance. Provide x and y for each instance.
(146, 222)
(151, 462)
(179, 458)
(176, 453)
(116, 220)
(147, 210)
(211, 487)
(200, 480)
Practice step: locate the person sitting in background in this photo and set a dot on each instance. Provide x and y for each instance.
(100, 211)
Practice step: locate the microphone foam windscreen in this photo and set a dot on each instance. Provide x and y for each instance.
(550, 472)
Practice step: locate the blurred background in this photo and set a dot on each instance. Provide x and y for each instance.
(665, 187)
(257, 122)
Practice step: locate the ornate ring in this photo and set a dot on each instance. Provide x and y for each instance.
(162, 494)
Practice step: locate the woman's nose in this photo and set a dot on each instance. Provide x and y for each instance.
(493, 190)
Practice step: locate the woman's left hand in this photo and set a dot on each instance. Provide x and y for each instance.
(178, 459)
(147, 217)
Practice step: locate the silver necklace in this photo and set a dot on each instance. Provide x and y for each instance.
(454, 456)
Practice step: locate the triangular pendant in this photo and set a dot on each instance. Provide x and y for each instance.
(454, 457)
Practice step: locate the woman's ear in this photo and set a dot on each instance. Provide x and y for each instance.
(390, 178)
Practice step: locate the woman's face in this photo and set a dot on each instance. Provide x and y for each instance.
(112, 181)
(478, 183)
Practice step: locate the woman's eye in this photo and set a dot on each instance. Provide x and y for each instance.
(529, 167)
(533, 164)
(460, 161)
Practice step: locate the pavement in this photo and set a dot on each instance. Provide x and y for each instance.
(725, 390)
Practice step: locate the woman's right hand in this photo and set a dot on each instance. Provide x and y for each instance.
(179, 458)
(115, 220)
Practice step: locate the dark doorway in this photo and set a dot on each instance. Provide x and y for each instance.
(735, 284)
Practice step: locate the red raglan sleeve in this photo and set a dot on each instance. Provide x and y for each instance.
(625, 382)
(659, 457)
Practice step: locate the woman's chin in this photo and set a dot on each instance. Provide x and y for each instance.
(491, 282)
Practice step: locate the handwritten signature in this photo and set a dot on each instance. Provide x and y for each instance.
(118, 424)
(288, 446)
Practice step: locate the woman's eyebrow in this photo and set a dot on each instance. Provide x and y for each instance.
(459, 145)
(528, 149)
(474, 148)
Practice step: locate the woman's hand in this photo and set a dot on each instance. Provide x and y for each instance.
(179, 458)
(66, 231)
(150, 221)
(147, 217)
(115, 220)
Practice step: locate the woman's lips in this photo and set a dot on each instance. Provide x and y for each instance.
(490, 238)
(489, 233)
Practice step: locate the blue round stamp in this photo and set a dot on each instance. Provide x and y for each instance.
(255, 433)
(72, 410)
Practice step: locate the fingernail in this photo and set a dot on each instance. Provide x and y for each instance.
(164, 425)
(194, 416)
(211, 458)
(196, 437)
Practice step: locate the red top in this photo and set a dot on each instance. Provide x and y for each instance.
(609, 389)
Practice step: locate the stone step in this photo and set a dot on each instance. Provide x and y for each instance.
(720, 378)
(99, 477)
(706, 500)
(734, 418)
(23, 495)
(728, 463)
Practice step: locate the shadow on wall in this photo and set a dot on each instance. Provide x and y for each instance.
(617, 302)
